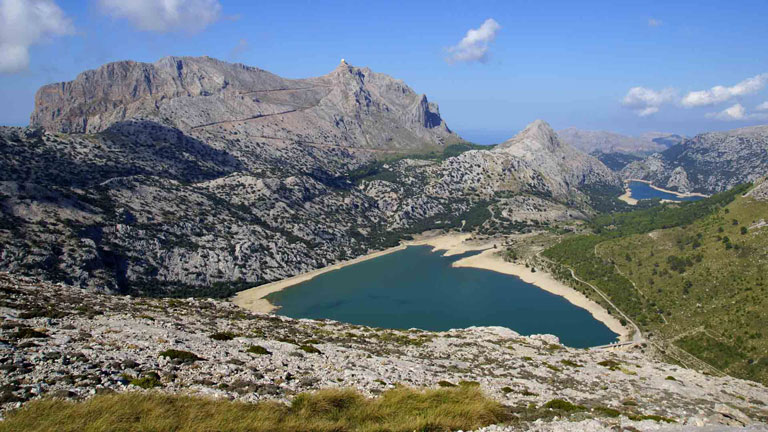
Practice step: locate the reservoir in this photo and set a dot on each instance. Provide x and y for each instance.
(642, 190)
(418, 288)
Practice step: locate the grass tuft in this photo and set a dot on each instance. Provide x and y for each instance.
(399, 409)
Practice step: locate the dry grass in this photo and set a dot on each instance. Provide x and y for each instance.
(400, 409)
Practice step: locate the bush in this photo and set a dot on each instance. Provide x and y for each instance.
(309, 349)
(563, 405)
(610, 364)
(185, 356)
(148, 381)
(223, 336)
(607, 412)
(446, 384)
(258, 349)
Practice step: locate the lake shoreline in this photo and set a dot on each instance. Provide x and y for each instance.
(491, 260)
(254, 299)
(627, 195)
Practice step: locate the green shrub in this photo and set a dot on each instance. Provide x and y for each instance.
(148, 381)
(610, 364)
(607, 412)
(258, 349)
(309, 349)
(185, 356)
(223, 336)
(563, 405)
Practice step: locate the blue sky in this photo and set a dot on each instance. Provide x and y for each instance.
(570, 63)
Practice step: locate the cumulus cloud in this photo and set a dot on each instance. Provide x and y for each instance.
(762, 107)
(644, 101)
(719, 94)
(653, 22)
(735, 112)
(165, 15)
(24, 23)
(475, 45)
(738, 112)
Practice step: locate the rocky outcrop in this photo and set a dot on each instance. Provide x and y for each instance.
(59, 341)
(708, 163)
(760, 191)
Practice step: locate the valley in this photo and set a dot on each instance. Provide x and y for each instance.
(209, 229)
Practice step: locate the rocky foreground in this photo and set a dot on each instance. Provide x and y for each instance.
(63, 342)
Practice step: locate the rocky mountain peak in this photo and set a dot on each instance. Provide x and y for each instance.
(537, 136)
(203, 96)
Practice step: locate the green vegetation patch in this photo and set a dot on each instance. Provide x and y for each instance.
(258, 349)
(309, 349)
(717, 353)
(563, 405)
(185, 356)
(400, 409)
(686, 274)
(223, 336)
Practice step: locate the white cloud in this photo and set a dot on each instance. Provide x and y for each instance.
(735, 112)
(24, 23)
(644, 101)
(719, 94)
(653, 22)
(738, 112)
(762, 107)
(474, 46)
(165, 15)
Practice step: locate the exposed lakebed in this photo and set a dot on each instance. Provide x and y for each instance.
(418, 288)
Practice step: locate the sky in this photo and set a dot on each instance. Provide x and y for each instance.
(492, 66)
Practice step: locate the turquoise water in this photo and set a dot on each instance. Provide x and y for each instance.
(417, 288)
(641, 191)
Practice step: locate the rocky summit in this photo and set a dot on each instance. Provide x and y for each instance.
(349, 107)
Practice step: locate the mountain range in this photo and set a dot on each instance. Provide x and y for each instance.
(192, 175)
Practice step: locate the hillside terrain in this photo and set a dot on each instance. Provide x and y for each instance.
(707, 163)
(61, 341)
(692, 276)
(192, 176)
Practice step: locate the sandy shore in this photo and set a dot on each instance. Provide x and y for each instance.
(254, 299)
(627, 196)
(490, 260)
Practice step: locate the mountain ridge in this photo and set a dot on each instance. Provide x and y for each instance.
(708, 163)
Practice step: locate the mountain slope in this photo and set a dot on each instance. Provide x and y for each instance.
(708, 163)
(693, 276)
(61, 342)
